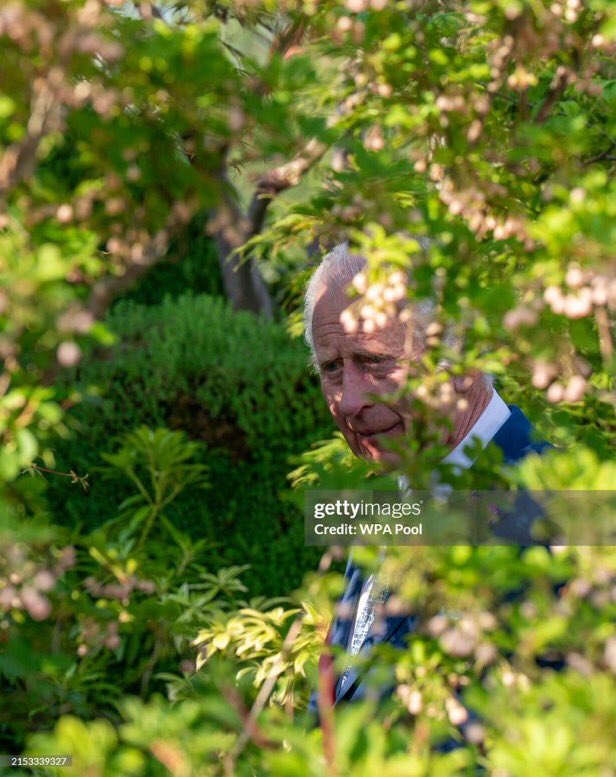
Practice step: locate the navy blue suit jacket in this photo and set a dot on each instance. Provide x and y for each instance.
(515, 438)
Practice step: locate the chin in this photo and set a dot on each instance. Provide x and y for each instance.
(388, 458)
(379, 455)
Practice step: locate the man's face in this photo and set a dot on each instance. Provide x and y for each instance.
(355, 365)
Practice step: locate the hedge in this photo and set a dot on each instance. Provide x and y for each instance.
(236, 384)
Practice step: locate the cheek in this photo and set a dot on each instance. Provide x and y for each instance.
(398, 377)
(334, 409)
(392, 383)
(332, 398)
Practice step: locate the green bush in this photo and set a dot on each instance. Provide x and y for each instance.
(79, 610)
(238, 386)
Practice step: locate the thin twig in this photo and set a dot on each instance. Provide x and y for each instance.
(149, 667)
(325, 705)
(75, 478)
(605, 336)
(263, 695)
(256, 734)
(603, 156)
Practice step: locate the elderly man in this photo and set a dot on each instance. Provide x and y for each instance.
(356, 366)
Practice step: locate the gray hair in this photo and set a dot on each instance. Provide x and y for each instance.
(339, 267)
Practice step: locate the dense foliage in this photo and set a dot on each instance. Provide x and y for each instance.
(486, 126)
(238, 387)
(127, 597)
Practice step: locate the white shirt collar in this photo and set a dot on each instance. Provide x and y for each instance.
(485, 427)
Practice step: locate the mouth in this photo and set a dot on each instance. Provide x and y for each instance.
(373, 436)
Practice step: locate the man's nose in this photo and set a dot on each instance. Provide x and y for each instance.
(355, 391)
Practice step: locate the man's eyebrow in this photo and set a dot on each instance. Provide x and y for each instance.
(327, 356)
(383, 351)
(377, 350)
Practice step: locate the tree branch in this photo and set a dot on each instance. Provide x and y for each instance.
(106, 289)
(289, 37)
(557, 89)
(279, 179)
(149, 11)
(19, 159)
(605, 338)
(604, 156)
(244, 286)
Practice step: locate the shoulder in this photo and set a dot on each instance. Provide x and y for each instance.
(517, 437)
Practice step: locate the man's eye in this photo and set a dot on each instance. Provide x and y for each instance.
(331, 366)
(376, 359)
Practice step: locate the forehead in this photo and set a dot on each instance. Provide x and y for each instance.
(328, 333)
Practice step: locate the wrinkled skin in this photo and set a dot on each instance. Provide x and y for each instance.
(354, 365)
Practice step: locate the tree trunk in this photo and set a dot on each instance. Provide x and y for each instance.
(244, 285)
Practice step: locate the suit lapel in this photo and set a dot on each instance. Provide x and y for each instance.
(344, 615)
(347, 606)
(394, 628)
